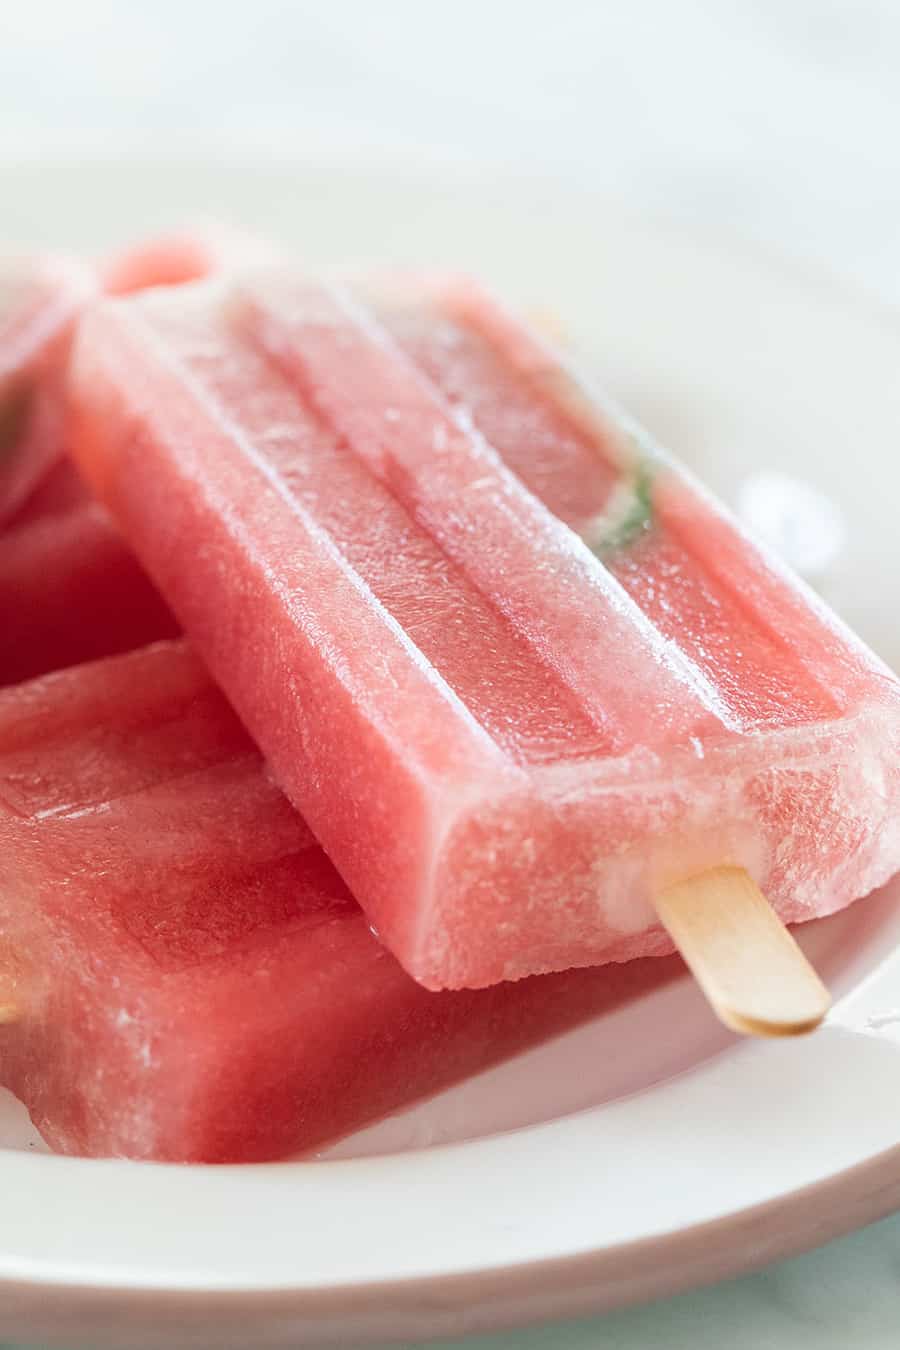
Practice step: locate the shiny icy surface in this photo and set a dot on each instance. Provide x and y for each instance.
(189, 978)
(516, 669)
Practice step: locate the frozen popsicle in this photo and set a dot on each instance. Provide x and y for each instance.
(70, 589)
(40, 298)
(181, 256)
(519, 672)
(184, 976)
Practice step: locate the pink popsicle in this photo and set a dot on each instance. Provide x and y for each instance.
(183, 974)
(70, 589)
(507, 733)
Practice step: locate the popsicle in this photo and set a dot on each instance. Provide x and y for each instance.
(181, 256)
(521, 675)
(40, 298)
(183, 974)
(70, 589)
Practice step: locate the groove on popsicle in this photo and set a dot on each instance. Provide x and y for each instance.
(665, 570)
(791, 616)
(523, 705)
(498, 532)
(756, 978)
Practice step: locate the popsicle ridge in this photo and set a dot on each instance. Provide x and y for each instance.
(496, 531)
(202, 986)
(506, 744)
(419, 593)
(679, 513)
(390, 697)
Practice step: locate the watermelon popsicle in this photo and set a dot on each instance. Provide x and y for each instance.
(183, 974)
(70, 589)
(509, 738)
(40, 298)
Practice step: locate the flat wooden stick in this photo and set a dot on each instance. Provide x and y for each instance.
(748, 965)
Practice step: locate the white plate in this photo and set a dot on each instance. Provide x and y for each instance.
(648, 1151)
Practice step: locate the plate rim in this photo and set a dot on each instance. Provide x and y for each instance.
(498, 1297)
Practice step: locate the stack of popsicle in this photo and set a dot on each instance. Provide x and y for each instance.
(540, 702)
(187, 977)
(70, 589)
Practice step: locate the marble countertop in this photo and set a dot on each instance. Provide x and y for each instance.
(846, 1294)
(776, 121)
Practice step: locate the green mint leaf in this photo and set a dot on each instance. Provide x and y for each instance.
(617, 532)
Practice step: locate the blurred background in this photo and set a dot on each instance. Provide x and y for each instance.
(773, 119)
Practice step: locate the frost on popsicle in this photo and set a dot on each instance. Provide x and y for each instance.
(524, 752)
(164, 882)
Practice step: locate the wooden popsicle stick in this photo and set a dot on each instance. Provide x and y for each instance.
(748, 965)
(8, 1013)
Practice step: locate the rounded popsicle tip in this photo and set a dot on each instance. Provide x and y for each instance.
(797, 1024)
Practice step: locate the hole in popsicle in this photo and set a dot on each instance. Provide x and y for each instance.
(720, 921)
